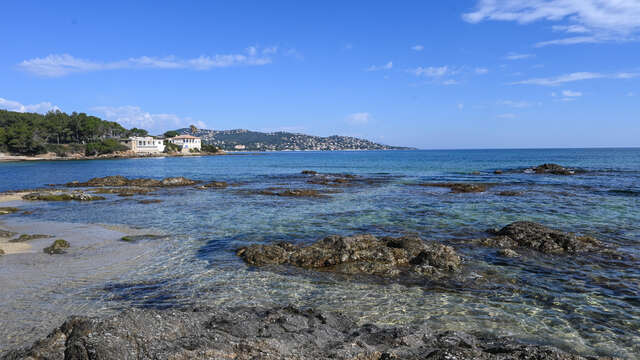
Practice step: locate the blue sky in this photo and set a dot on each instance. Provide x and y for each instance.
(429, 74)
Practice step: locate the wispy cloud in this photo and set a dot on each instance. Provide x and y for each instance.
(566, 95)
(515, 104)
(482, 71)
(592, 20)
(134, 116)
(569, 93)
(417, 47)
(576, 76)
(56, 65)
(387, 66)
(516, 56)
(360, 118)
(12, 105)
(432, 71)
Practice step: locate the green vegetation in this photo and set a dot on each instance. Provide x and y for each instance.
(209, 148)
(170, 147)
(57, 247)
(62, 133)
(106, 146)
(171, 133)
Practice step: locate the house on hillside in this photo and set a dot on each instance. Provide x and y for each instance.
(187, 142)
(144, 144)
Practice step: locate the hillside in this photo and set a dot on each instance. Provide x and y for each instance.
(241, 139)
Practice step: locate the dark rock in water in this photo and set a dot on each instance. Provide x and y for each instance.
(58, 247)
(123, 191)
(508, 253)
(509, 193)
(62, 196)
(120, 181)
(216, 185)
(459, 188)
(265, 333)
(28, 237)
(309, 172)
(554, 169)
(8, 210)
(360, 254)
(541, 238)
(292, 193)
(136, 238)
(149, 201)
(497, 172)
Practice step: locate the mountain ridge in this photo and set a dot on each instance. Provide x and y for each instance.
(248, 140)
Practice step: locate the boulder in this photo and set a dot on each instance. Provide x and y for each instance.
(554, 169)
(57, 247)
(244, 333)
(360, 254)
(177, 181)
(309, 172)
(540, 238)
(120, 181)
(216, 185)
(459, 188)
(62, 196)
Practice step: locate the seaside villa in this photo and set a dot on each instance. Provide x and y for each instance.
(187, 142)
(144, 144)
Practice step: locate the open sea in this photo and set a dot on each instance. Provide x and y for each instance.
(586, 304)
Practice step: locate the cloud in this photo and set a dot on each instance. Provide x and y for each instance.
(576, 76)
(482, 71)
(133, 116)
(593, 20)
(386, 66)
(515, 104)
(42, 107)
(417, 48)
(56, 65)
(432, 71)
(360, 118)
(569, 93)
(450, 82)
(516, 56)
(460, 106)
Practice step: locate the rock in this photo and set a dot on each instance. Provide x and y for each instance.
(124, 191)
(149, 201)
(459, 188)
(508, 253)
(497, 172)
(177, 181)
(292, 192)
(58, 247)
(541, 238)
(2, 252)
(120, 181)
(309, 172)
(7, 234)
(62, 196)
(509, 193)
(360, 254)
(137, 238)
(28, 237)
(8, 210)
(554, 169)
(216, 185)
(116, 180)
(283, 333)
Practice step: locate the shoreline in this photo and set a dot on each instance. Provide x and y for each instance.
(48, 157)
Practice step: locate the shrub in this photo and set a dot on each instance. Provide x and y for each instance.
(106, 146)
(170, 147)
(209, 148)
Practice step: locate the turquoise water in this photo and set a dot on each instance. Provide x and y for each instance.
(589, 304)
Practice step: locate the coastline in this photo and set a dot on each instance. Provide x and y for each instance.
(124, 155)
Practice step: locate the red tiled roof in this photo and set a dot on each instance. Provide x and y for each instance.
(185, 137)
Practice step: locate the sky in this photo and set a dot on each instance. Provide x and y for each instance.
(428, 74)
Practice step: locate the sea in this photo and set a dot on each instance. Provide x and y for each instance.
(584, 303)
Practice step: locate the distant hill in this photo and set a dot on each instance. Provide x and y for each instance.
(241, 139)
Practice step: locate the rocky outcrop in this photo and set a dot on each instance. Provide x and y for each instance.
(7, 234)
(292, 193)
(541, 238)
(360, 254)
(120, 181)
(8, 210)
(509, 193)
(62, 196)
(215, 185)
(29, 237)
(58, 247)
(265, 333)
(554, 169)
(137, 238)
(459, 188)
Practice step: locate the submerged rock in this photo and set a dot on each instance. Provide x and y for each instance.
(8, 210)
(360, 254)
(554, 169)
(309, 172)
(216, 185)
(58, 247)
(28, 237)
(136, 238)
(509, 193)
(459, 188)
(149, 201)
(541, 238)
(265, 333)
(124, 191)
(7, 234)
(62, 196)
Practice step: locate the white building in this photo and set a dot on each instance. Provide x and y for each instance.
(187, 142)
(144, 144)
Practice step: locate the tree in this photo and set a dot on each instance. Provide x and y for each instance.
(171, 133)
(137, 132)
(193, 129)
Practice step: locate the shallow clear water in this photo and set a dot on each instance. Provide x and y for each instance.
(588, 304)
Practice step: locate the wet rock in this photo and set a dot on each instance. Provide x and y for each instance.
(360, 254)
(149, 201)
(508, 253)
(177, 181)
(459, 188)
(8, 210)
(28, 237)
(509, 193)
(116, 180)
(309, 172)
(554, 169)
(137, 238)
(58, 247)
(124, 191)
(1, 252)
(292, 193)
(541, 238)
(62, 196)
(120, 181)
(265, 333)
(497, 172)
(216, 185)
(7, 234)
